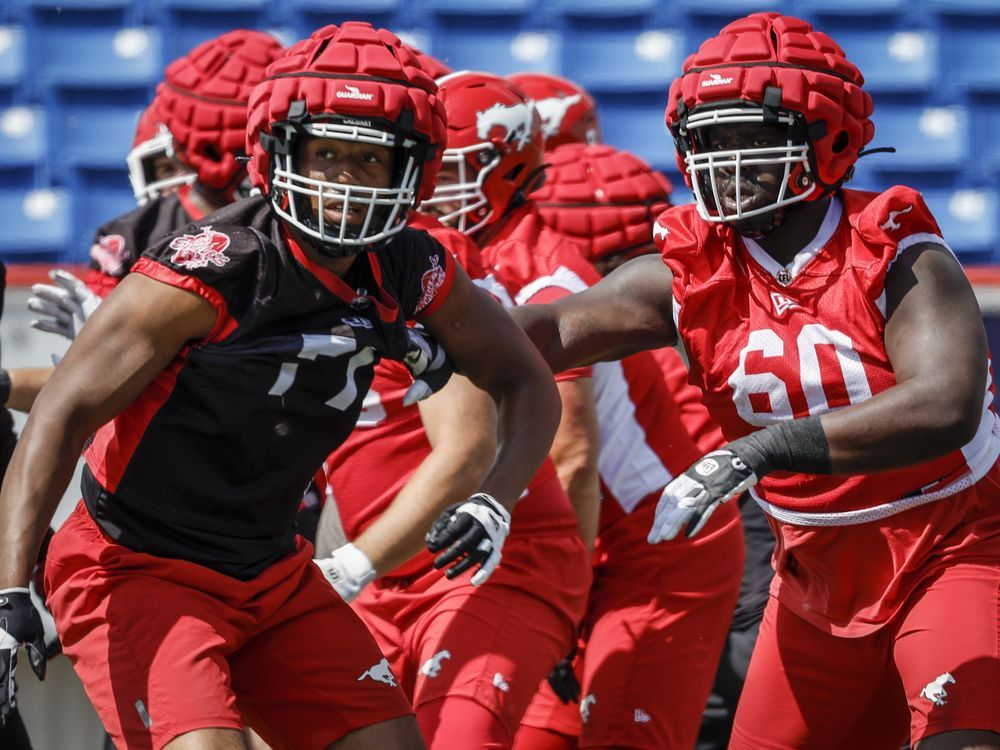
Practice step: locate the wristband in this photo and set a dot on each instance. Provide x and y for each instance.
(798, 445)
(4, 387)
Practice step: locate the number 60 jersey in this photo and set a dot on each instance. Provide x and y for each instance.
(769, 342)
(210, 462)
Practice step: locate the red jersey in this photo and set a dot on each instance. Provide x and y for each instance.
(695, 416)
(644, 443)
(769, 342)
(389, 442)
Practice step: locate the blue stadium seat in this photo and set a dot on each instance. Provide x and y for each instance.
(966, 7)
(624, 60)
(969, 221)
(926, 139)
(36, 225)
(503, 50)
(637, 125)
(850, 8)
(893, 61)
(986, 125)
(78, 56)
(12, 59)
(99, 197)
(603, 7)
(971, 56)
(305, 16)
(97, 136)
(478, 8)
(187, 23)
(22, 144)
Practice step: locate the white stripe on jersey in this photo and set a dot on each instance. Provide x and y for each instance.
(562, 278)
(628, 466)
(903, 244)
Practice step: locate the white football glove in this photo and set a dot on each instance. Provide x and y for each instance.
(472, 532)
(67, 305)
(691, 498)
(348, 570)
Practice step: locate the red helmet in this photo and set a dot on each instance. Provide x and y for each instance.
(568, 112)
(495, 144)
(354, 83)
(604, 199)
(431, 65)
(774, 69)
(151, 143)
(203, 103)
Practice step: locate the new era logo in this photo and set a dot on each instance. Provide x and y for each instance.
(782, 304)
(641, 717)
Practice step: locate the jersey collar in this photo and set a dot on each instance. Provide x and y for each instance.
(183, 195)
(785, 275)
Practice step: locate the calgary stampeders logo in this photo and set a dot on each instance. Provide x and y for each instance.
(198, 250)
(515, 119)
(109, 254)
(430, 282)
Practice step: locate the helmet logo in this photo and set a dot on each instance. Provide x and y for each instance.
(198, 250)
(553, 110)
(714, 79)
(353, 92)
(515, 119)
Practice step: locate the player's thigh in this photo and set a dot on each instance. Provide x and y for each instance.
(946, 650)
(809, 690)
(401, 733)
(209, 739)
(312, 674)
(150, 650)
(651, 619)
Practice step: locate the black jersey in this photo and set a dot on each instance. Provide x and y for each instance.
(119, 243)
(210, 462)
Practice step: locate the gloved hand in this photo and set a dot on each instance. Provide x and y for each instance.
(428, 363)
(348, 570)
(562, 679)
(471, 533)
(20, 625)
(67, 305)
(691, 498)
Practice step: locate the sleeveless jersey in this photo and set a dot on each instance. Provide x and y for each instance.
(210, 462)
(119, 243)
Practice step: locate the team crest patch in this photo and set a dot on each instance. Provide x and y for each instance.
(430, 282)
(198, 250)
(109, 254)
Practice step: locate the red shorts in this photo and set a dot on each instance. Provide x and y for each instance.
(166, 646)
(935, 668)
(490, 644)
(655, 627)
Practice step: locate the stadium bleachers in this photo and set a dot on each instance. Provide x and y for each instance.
(74, 74)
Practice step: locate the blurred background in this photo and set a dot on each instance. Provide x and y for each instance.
(74, 75)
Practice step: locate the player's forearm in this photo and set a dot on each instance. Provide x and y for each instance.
(39, 471)
(529, 416)
(575, 451)
(449, 474)
(25, 384)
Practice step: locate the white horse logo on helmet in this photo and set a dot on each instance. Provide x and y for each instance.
(934, 690)
(553, 110)
(515, 119)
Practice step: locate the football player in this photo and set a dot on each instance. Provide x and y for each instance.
(217, 376)
(840, 347)
(654, 612)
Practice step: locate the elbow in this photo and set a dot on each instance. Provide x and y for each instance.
(956, 423)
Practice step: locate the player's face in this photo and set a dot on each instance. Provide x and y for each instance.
(759, 184)
(447, 175)
(344, 163)
(166, 167)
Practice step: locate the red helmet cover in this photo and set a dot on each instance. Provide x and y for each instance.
(353, 69)
(604, 199)
(203, 101)
(816, 80)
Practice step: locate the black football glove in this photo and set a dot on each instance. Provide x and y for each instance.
(691, 498)
(20, 625)
(428, 364)
(562, 679)
(473, 533)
